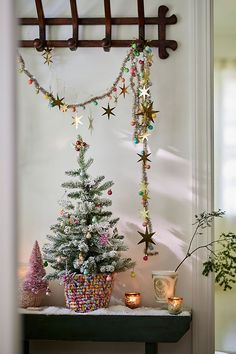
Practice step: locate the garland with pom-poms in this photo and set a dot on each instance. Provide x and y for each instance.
(136, 64)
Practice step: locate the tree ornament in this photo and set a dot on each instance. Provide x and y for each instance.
(109, 278)
(104, 239)
(30, 81)
(86, 272)
(108, 111)
(145, 258)
(48, 291)
(94, 219)
(88, 236)
(133, 274)
(109, 192)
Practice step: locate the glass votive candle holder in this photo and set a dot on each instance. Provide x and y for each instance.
(132, 300)
(175, 305)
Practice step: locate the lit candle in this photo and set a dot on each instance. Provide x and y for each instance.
(132, 300)
(175, 305)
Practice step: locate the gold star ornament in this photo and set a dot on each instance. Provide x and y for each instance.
(108, 111)
(58, 102)
(124, 90)
(144, 157)
(146, 238)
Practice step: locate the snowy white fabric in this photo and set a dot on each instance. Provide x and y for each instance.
(112, 310)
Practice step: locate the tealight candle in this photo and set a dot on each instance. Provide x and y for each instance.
(175, 305)
(132, 300)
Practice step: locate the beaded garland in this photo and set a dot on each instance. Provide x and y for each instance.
(136, 64)
(86, 293)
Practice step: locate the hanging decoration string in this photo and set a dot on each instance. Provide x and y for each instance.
(137, 64)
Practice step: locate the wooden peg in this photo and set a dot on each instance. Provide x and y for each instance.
(73, 42)
(106, 42)
(141, 21)
(39, 43)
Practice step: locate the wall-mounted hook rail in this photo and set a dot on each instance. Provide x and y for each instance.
(75, 21)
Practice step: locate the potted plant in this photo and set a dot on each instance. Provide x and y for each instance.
(85, 247)
(221, 258)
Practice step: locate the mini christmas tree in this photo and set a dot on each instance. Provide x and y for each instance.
(34, 286)
(85, 239)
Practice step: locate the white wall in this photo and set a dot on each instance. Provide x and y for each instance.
(44, 152)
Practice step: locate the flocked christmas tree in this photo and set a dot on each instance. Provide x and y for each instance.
(85, 239)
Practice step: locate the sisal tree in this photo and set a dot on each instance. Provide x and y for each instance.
(34, 280)
(85, 239)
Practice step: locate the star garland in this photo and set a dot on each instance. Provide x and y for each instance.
(136, 64)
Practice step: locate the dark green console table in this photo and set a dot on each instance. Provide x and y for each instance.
(149, 329)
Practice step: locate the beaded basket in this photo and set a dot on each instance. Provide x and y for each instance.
(86, 293)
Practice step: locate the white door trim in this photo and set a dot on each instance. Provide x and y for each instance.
(202, 172)
(8, 250)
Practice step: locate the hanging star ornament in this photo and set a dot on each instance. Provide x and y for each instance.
(143, 92)
(144, 213)
(124, 90)
(90, 127)
(144, 157)
(77, 121)
(144, 136)
(146, 238)
(64, 108)
(108, 111)
(58, 102)
(47, 55)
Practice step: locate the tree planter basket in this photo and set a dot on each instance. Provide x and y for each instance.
(86, 293)
(30, 299)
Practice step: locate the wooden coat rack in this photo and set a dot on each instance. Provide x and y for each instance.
(75, 21)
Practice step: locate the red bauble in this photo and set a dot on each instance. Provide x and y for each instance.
(30, 81)
(109, 192)
(145, 258)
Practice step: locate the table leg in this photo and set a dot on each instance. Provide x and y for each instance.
(25, 347)
(151, 348)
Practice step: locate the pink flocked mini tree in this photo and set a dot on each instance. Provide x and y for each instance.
(34, 285)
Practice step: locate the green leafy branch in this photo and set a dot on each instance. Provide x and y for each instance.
(221, 261)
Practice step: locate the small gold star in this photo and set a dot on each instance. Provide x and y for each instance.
(90, 127)
(144, 157)
(146, 238)
(108, 111)
(64, 108)
(144, 136)
(47, 55)
(77, 121)
(144, 213)
(124, 90)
